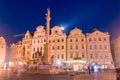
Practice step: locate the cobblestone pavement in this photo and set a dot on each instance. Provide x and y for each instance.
(9, 75)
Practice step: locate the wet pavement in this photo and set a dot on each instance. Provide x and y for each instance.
(11, 75)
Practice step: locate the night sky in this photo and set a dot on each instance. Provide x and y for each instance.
(18, 16)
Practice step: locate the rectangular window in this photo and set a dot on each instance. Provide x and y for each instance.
(33, 49)
(62, 46)
(91, 56)
(76, 40)
(90, 47)
(99, 39)
(76, 46)
(53, 48)
(83, 56)
(71, 47)
(58, 40)
(106, 56)
(95, 46)
(105, 46)
(77, 55)
(57, 56)
(58, 47)
(71, 55)
(82, 40)
(90, 39)
(82, 46)
(70, 40)
(62, 40)
(105, 39)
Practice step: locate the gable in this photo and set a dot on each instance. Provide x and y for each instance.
(98, 33)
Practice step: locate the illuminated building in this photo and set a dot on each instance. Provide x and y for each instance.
(21, 51)
(76, 46)
(26, 47)
(116, 50)
(2, 51)
(15, 54)
(43, 47)
(57, 43)
(98, 49)
(38, 42)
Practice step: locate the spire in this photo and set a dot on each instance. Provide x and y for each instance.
(48, 22)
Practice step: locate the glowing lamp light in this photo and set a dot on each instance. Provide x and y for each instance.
(20, 63)
(5, 66)
(58, 62)
(62, 28)
(10, 63)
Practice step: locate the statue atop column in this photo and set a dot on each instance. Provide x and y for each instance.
(46, 46)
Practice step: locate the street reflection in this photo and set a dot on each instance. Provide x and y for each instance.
(18, 75)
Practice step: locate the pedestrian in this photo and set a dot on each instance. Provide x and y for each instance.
(89, 69)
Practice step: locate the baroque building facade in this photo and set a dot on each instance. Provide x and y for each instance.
(26, 47)
(38, 42)
(98, 48)
(43, 47)
(57, 43)
(2, 51)
(76, 46)
(20, 52)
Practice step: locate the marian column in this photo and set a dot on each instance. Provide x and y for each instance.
(48, 24)
(47, 52)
